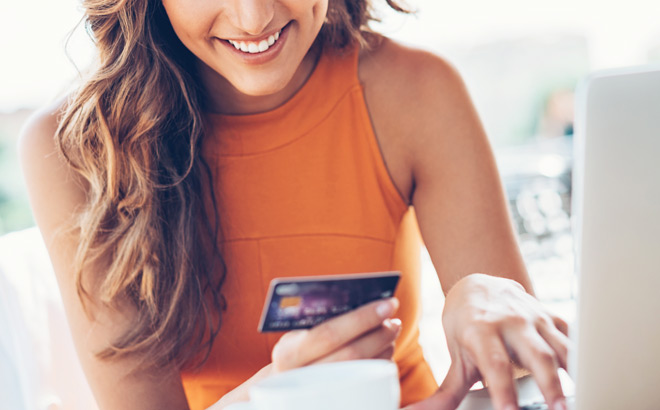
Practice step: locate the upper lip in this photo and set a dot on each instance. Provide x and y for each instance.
(255, 39)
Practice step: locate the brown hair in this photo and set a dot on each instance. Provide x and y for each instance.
(133, 131)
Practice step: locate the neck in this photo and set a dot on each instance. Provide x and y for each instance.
(223, 98)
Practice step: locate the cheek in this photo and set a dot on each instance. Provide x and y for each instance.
(320, 11)
(315, 12)
(190, 19)
(312, 11)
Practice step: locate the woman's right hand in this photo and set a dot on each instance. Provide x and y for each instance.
(368, 332)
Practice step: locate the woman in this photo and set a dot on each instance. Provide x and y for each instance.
(222, 143)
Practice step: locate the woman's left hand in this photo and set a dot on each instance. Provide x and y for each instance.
(490, 324)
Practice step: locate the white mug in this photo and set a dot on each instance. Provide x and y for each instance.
(348, 385)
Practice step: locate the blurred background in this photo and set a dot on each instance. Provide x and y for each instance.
(520, 59)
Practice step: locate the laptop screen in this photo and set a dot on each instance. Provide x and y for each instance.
(617, 225)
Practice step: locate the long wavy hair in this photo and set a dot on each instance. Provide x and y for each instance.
(150, 228)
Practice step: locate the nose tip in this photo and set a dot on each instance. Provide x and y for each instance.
(253, 16)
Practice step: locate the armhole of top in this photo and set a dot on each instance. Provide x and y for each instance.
(377, 152)
(373, 141)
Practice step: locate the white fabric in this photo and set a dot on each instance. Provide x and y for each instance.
(39, 368)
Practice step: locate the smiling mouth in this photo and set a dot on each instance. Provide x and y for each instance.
(256, 47)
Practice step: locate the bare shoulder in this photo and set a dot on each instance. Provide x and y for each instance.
(406, 71)
(415, 98)
(54, 188)
(411, 79)
(38, 133)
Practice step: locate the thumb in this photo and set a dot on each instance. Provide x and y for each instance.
(450, 393)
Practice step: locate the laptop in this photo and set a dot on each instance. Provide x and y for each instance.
(616, 210)
(616, 206)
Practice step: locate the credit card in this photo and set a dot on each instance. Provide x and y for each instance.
(304, 302)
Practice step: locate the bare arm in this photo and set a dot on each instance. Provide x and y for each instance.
(463, 216)
(440, 160)
(458, 196)
(56, 193)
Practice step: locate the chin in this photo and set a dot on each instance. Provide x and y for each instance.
(262, 89)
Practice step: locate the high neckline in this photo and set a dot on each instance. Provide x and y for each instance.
(235, 135)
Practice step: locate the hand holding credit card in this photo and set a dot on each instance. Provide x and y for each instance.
(304, 302)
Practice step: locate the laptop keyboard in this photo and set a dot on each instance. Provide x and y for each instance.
(535, 406)
(542, 406)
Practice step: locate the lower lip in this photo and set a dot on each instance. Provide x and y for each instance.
(265, 56)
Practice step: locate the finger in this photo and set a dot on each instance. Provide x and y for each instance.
(298, 348)
(537, 355)
(451, 392)
(494, 364)
(368, 346)
(285, 354)
(560, 324)
(387, 354)
(336, 332)
(557, 340)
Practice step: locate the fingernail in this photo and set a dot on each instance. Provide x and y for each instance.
(511, 407)
(393, 324)
(560, 404)
(385, 308)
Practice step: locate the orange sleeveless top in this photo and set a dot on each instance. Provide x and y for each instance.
(303, 190)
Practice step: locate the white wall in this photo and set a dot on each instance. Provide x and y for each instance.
(34, 67)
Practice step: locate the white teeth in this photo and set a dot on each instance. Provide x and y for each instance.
(252, 47)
